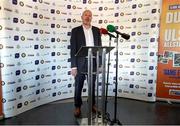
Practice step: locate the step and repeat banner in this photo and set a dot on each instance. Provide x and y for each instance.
(35, 49)
(168, 82)
(35, 61)
(1, 111)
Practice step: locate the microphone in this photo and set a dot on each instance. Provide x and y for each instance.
(105, 32)
(111, 28)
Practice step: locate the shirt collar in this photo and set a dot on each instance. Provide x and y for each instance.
(86, 28)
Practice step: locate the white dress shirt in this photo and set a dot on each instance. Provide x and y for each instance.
(88, 36)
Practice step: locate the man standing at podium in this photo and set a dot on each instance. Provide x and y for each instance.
(84, 35)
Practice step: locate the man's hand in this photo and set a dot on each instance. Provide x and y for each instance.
(74, 72)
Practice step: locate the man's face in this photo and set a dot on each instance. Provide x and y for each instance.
(86, 17)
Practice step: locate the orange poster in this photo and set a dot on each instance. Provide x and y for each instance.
(168, 79)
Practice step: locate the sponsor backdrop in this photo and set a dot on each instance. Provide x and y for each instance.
(168, 82)
(1, 111)
(34, 47)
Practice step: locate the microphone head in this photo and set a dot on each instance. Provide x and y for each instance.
(125, 36)
(103, 31)
(111, 28)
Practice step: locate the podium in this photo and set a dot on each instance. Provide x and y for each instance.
(90, 52)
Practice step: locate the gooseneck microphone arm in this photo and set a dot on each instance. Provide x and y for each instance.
(111, 35)
(105, 32)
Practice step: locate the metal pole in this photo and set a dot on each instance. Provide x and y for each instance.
(103, 84)
(116, 85)
(89, 85)
(97, 83)
(115, 120)
(107, 82)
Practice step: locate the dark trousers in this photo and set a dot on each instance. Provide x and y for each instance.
(79, 82)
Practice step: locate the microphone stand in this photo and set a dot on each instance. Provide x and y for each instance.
(115, 121)
(107, 83)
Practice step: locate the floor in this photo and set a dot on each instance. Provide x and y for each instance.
(129, 112)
